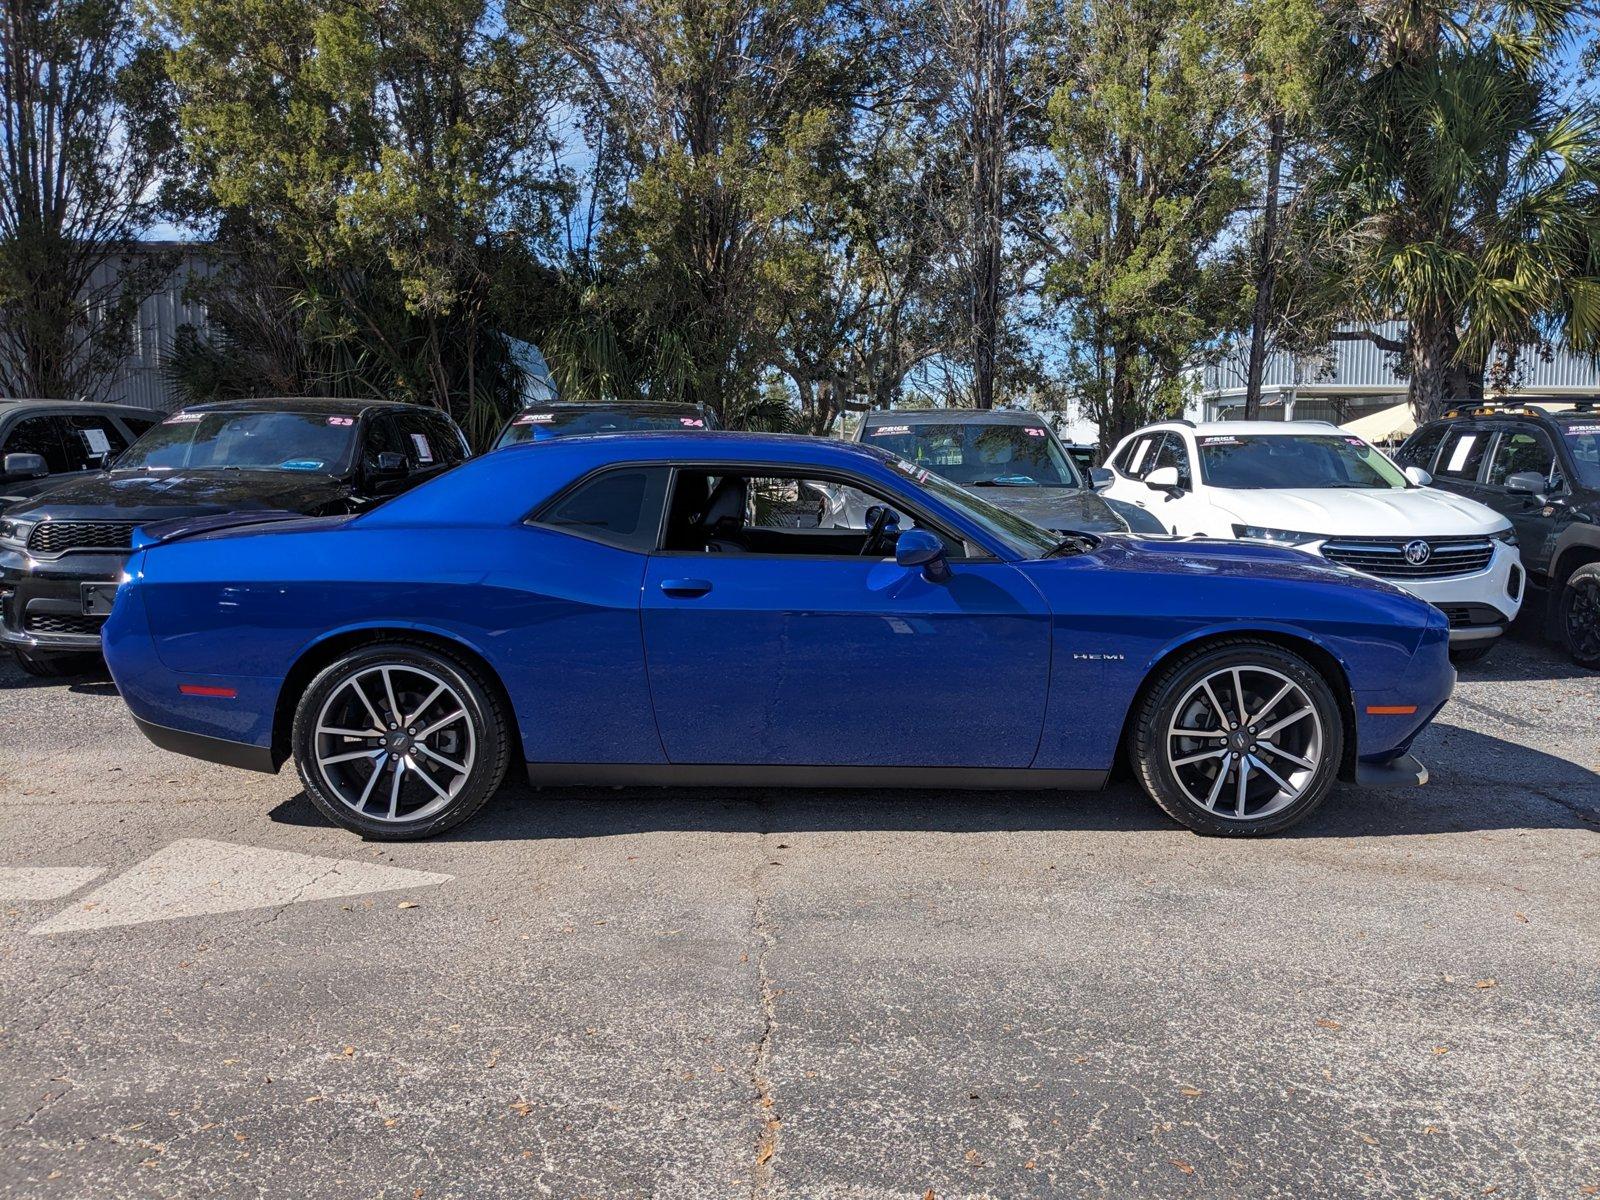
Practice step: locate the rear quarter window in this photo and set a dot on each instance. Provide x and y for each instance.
(621, 508)
(1463, 452)
(1421, 446)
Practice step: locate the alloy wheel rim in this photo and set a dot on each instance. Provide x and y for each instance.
(1583, 620)
(1244, 743)
(394, 743)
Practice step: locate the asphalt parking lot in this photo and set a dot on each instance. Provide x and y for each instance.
(210, 991)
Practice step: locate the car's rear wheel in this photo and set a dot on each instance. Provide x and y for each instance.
(400, 741)
(1238, 739)
(1580, 616)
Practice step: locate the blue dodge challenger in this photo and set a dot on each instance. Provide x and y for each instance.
(649, 609)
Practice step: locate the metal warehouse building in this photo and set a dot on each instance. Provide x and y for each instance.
(1353, 379)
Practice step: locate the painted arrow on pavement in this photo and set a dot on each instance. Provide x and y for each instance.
(196, 877)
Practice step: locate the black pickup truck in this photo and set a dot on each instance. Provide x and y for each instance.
(62, 551)
(1542, 470)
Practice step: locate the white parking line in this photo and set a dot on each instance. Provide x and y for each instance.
(44, 883)
(194, 877)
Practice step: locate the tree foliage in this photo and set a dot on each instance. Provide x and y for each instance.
(83, 144)
(385, 157)
(1145, 124)
(1465, 196)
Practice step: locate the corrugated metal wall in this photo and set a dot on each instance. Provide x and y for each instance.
(140, 380)
(1360, 366)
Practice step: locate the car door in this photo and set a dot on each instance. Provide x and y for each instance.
(821, 658)
(1129, 466)
(1181, 512)
(1525, 447)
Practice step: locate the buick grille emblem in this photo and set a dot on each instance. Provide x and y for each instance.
(1418, 552)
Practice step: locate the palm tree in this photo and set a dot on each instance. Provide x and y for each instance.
(1465, 194)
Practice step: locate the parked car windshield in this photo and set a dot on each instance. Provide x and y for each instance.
(1022, 536)
(977, 455)
(271, 441)
(1583, 439)
(1299, 460)
(536, 425)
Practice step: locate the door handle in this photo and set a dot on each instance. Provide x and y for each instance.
(686, 587)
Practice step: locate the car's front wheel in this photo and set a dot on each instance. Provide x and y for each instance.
(400, 741)
(1580, 616)
(1239, 738)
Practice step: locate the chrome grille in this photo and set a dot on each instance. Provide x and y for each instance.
(1387, 558)
(57, 537)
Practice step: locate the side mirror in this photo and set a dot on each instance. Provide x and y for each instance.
(1163, 479)
(919, 548)
(390, 464)
(25, 466)
(1100, 478)
(1526, 483)
(1419, 477)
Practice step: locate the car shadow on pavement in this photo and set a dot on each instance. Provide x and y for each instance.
(1488, 784)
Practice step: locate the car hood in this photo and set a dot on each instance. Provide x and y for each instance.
(1353, 512)
(1059, 508)
(160, 495)
(1217, 558)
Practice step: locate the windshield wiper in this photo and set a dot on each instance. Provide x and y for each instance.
(1006, 481)
(1073, 543)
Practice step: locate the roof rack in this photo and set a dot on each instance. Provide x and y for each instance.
(1489, 408)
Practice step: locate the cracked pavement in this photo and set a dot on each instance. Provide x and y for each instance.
(811, 994)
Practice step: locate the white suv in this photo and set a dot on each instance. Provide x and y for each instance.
(1312, 485)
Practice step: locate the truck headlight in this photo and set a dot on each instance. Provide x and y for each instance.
(1508, 535)
(1279, 537)
(14, 533)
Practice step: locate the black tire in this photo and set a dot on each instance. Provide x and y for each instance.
(54, 666)
(1180, 683)
(1580, 616)
(482, 742)
(1462, 655)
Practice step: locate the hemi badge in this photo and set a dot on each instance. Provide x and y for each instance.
(200, 689)
(1391, 710)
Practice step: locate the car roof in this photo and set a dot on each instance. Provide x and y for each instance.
(664, 406)
(716, 446)
(1244, 428)
(330, 405)
(30, 404)
(951, 416)
(1582, 410)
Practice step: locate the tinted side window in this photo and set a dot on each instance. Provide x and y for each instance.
(449, 446)
(1421, 446)
(45, 436)
(430, 441)
(621, 508)
(1521, 450)
(383, 437)
(1172, 453)
(1463, 453)
(93, 440)
(1135, 462)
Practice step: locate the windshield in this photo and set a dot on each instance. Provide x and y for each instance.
(977, 455)
(537, 426)
(271, 441)
(1294, 460)
(1583, 439)
(1023, 537)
